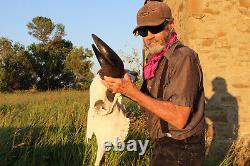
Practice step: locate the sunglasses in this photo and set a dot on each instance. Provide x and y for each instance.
(143, 31)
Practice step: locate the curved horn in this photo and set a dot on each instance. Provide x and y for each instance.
(98, 55)
(110, 62)
(106, 51)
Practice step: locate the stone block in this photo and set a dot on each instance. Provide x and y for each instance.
(244, 3)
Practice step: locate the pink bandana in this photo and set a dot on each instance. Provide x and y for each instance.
(151, 66)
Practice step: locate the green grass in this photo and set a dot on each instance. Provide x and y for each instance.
(48, 128)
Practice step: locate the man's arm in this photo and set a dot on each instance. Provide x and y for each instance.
(173, 114)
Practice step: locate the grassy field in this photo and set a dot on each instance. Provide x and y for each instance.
(48, 128)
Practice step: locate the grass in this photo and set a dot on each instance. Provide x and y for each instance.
(238, 154)
(43, 128)
(48, 128)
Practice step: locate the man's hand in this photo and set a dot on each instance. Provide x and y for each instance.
(120, 85)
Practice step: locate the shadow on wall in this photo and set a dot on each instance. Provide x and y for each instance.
(222, 121)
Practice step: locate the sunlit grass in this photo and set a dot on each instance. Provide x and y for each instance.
(43, 128)
(48, 128)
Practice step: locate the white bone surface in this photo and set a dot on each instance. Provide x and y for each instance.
(106, 127)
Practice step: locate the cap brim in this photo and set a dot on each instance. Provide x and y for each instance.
(149, 24)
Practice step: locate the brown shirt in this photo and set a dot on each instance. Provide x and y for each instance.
(179, 80)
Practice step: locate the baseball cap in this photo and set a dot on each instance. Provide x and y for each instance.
(153, 13)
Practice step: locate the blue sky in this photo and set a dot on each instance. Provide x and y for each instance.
(111, 20)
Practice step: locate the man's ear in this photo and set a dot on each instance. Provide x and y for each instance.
(170, 25)
(172, 22)
(169, 28)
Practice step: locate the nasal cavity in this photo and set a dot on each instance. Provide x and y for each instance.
(99, 104)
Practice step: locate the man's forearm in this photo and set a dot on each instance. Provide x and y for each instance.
(175, 115)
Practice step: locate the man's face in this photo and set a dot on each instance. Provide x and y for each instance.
(156, 42)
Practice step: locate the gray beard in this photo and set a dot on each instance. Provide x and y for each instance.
(156, 48)
(159, 47)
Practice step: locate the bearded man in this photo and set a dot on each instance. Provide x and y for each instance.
(172, 93)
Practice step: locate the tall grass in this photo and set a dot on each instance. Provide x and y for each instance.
(43, 128)
(48, 128)
(238, 154)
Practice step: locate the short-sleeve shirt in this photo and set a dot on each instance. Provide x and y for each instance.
(179, 80)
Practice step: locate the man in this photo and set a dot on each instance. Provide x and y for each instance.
(172, 93)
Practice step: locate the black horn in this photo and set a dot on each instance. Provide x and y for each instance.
(111, 63)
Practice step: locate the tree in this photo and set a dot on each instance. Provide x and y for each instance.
(43, 29)
(80, 64)
(48, 63)
(56, 63)
(16, 71)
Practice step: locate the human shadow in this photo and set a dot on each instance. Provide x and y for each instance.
(222, 122)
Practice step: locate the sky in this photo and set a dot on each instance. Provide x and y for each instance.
(111, 20)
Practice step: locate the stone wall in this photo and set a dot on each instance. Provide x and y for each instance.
(219, 30)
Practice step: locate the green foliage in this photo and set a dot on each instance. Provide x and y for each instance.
(53, 63)
(78, 61)
(56, 63)
(48, 63)
(15, 69)
(42, 28)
